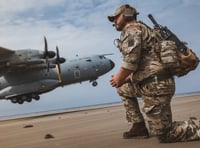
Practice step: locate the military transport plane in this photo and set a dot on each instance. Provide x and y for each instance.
(25, 74)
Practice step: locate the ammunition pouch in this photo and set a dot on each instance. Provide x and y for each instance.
(168, 54)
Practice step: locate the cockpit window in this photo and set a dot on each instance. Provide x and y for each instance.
(88, 60)
(101, 57)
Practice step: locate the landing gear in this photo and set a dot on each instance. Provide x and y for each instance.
(36, 97)
(14, 100)
(29, 99)
(94, 83)
(22, 99)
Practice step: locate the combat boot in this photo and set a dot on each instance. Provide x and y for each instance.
(138, 130)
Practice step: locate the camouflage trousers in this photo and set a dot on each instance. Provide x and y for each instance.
(182, 131)
(129, 99)
(156, 110)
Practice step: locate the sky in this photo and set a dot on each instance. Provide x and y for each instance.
(81, 27)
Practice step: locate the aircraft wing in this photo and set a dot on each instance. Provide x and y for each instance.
(12, 61)
(14, 66)
(5, 51)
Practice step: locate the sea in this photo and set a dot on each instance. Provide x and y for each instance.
(70, 109)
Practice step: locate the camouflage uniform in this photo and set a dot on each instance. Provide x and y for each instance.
(182, 131)
(152, 83)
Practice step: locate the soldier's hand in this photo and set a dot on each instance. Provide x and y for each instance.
(115, 81)
(120, 78)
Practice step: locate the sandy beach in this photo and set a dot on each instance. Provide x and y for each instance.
(90, 128)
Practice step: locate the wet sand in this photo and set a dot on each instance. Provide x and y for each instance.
(90, 128)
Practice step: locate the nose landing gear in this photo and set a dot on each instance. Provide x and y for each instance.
(94, 83)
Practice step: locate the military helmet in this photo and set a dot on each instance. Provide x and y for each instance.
(128, 12)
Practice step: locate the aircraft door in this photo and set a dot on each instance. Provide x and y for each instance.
(77, 74)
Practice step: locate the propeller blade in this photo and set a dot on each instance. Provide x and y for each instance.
(58, 65)
(46, 53)
(45, 47)
(58, 73)
(57, 53)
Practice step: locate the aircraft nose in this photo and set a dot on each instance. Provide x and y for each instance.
(112, 64)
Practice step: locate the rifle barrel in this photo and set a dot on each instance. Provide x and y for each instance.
(153, 20)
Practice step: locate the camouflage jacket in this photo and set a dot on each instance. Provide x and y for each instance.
(137, 44)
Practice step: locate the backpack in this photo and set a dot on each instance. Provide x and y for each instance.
(174, 54)
(175, 61)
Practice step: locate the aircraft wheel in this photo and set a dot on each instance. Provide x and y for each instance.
(29, 99)
(37, 98)
(14, 100)
(94, 83)
(20, 101)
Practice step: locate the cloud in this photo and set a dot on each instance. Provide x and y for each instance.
(74, 24)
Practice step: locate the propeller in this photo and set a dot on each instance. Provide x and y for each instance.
(47, 54)
(59, 60)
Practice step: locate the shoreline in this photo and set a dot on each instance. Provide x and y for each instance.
(76, 109)
(58, 112)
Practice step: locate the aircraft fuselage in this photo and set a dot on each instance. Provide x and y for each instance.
(20, 86)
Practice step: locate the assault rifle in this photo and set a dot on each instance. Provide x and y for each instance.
(168, 35)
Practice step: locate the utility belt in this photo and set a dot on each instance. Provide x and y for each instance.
(155, 78)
